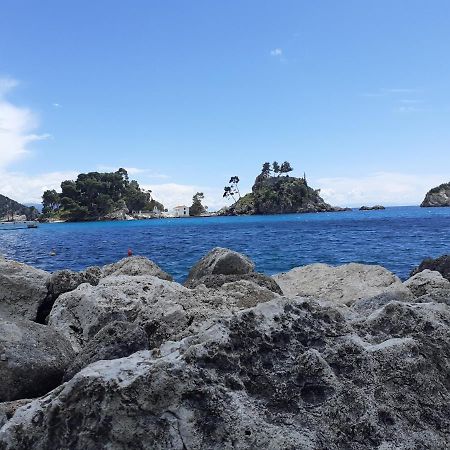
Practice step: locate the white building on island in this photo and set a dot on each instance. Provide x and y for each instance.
(181, 211)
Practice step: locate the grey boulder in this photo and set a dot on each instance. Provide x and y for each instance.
(166, 310)
(286, 374)
(441, 265)
(33, 359)
(115, 340)
(22, 290)
(343, 284)
(221, 261)
(135, 266)
(64, 281)
(217, 280)
(429, 285)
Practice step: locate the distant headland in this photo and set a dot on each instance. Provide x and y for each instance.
(438, 196)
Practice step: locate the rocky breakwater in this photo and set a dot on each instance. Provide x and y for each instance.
(320, 357)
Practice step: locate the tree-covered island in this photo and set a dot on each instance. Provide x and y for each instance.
(275, 192)
(98, 196)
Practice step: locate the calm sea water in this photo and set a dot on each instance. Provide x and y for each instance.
(397, 238)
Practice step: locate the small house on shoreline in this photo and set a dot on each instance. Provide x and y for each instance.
(181, 211)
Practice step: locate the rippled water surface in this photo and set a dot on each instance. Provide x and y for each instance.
(397, 238)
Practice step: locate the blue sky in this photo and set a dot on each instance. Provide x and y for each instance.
(187, 93)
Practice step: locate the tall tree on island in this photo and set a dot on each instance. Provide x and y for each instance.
(276, 168)
(286, 168)
(232, 189)
(51, 201)
(197, 208)
(266, 170)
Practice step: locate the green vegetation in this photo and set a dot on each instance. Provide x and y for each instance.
(197, 208)
(277, 194)
(10, 208)
(232, 189)
(441, 187)
(95, 196)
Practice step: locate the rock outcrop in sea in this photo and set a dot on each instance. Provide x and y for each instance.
(319, 357)
(280, 195)
(438, 196)
(372, 208)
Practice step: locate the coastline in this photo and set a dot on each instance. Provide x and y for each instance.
(231, 337)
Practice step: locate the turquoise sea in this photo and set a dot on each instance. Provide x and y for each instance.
(397, 238)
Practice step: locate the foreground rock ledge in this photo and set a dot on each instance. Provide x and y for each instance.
(286, 374)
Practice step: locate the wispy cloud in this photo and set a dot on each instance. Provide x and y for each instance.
(16, 126)
(56, 105)
(408, 109)
(173, 194)
(276, 52)
(385, 92)
(388, 188)
(27, 188)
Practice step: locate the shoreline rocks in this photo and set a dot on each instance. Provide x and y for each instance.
(317, 357)
(343, 284)
(440, 264)
(22, 289)
(33, 359)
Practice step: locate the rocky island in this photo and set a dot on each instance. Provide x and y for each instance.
(275, 192)
(372, 208)
(438, 196)
(97, 196)
(320, 357)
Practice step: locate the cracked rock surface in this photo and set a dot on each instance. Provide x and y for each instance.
(349, 358)
(288, 373)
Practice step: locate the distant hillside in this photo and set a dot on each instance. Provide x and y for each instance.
(10, 208)
(279, 194)
(438, 196)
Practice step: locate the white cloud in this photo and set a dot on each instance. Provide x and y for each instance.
(276, 52)
(26, 188)
(408, 109)
(56, 105)
(173, 194)
(388, 188)
(16, 126)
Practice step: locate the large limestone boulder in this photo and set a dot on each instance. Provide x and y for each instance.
(165, 309)
(429, 285)
(63, 281)
(286, 374)
(216, 281)
(343, 284)
(441, 265)
(33, 359)
(115, 340)
(22, 290)
(8, 409)
(135, 266)
(221, 261)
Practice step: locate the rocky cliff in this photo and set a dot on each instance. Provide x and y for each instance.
(280, 195)
(10, 208)
(320, 357)
(438, 196)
